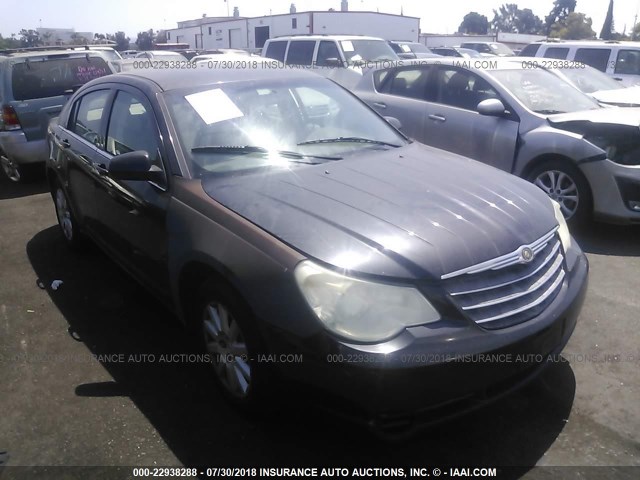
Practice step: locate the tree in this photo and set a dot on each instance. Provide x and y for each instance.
(145, 40)
(161, 36)
(29, 38)
(509, 18)
(560, 11)
(504, 19)
(474, 23)
(8, 42)
(528, 22)
(46, 38)
(577, 26)
(607, 27)
(122, 41)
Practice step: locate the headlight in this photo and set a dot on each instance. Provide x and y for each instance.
(624, 150)
(563, 231)
(360, 310)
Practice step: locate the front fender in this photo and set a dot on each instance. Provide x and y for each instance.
(546, 141)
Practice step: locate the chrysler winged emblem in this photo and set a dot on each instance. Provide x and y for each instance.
(526, 255)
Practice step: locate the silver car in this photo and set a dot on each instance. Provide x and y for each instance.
(524, 120)
(604, 88)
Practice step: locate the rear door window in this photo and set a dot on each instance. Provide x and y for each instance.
(51, 77)
(595, 57)
(276, 50)
(411, 83)
(301, 52)
(530, 50)
(556, 52)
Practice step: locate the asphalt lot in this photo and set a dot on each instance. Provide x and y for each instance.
(61, 406)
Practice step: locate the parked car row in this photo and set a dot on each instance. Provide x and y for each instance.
(279, 216)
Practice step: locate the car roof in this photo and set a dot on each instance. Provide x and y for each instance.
(49, 53)
(172, 79)
(592, 43)
(325, 37)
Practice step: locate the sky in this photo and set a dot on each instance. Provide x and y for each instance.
(133, 16)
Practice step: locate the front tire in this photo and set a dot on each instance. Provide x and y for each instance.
(228, 333)
(565, 184)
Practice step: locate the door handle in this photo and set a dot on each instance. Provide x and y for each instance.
(438, 118)
(65, 143)
(101, 168)
(379, 104)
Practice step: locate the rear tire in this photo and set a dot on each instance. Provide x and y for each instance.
(565, 183)
(14, 172)
(66, 219)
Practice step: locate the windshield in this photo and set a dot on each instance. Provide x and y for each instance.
(367, 50)
(543, 92)
(590, 80)
(500, 49)
(110, 55)
(236, 127)
(418, 48)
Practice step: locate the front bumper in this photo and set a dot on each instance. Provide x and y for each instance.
(614, 187)
(22, 151)
(424, 377)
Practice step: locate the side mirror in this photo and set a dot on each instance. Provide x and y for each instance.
(333, 62)
(135, 166)
(492, 107)
(394, 122)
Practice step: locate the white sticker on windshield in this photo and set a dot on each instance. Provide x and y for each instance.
(214, 106)
(347, 46)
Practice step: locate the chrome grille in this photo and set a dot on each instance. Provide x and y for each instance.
(507, 290)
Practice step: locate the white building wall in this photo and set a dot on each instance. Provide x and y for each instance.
(389, 27)
(218, 35)
(453, 40)
(279, 25)
(184, 35)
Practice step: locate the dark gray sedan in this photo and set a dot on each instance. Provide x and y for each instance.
(304, 238)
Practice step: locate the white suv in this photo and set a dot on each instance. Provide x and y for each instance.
(621, 60)
(339, 57)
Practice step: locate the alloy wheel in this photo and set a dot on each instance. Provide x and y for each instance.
(64, 214)
(225, 342)
(561, 188)
(10, 169)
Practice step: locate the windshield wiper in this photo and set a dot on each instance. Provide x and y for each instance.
(549, 112)
(257, 149)
(350, 140)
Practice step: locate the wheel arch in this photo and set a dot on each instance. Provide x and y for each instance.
(192, 275)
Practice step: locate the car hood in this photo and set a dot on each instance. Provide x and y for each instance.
(413, 212)
(600, 116)
(627, 97)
